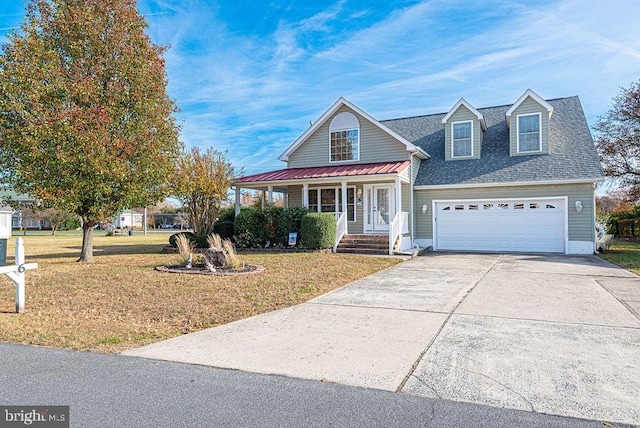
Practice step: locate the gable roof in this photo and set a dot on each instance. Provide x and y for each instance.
(333, 109)
(472, 109)
(528, 94)
(573, 158)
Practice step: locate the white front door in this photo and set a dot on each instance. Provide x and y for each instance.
(380, 207)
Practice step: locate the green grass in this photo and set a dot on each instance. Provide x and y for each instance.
(625, 254)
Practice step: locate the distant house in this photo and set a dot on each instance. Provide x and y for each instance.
(511, 178)
(19, 219)
(129, 219)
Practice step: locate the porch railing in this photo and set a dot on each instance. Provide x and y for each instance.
(341, 229)
(398, 226)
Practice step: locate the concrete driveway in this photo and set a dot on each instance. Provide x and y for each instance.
(550, 334)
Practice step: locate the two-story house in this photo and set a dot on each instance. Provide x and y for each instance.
(513, 178)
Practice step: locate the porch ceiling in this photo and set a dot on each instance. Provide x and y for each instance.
(320, 172)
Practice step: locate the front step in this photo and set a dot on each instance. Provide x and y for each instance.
(364, 244)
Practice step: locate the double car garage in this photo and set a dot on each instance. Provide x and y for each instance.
(510, 225)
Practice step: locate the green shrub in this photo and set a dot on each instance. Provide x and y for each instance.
(172, 239)
(224, 229)
(248, 229)
(72, 224)
(289, 221)
(202, 241)
(317, 231)
(228, 214)
(272, 216)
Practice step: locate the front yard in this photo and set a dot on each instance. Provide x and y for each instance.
(120, 301)
(625, 254)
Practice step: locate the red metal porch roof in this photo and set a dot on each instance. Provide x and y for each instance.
(327, 172)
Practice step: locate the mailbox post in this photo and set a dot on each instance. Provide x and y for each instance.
(5, 232)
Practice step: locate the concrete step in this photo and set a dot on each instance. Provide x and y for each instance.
(364, 244)
(360, 250)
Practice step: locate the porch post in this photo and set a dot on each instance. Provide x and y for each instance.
(238, 195)
(398, 195)
(270, 197)
(262, 198)
(305, 195)
(344, 196)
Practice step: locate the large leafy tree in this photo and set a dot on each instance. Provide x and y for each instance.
(201, 182)
(618, 139)
(86, 123)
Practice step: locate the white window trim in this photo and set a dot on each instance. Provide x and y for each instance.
(337, 189)
(539, 133)
(331, 131)
(453, 156)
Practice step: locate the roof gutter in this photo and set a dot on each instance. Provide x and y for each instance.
(509, 184)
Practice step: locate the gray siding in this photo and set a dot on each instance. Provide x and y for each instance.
(406, 201)
(463, 114)
(581, 225)
(529, 106)
(416, 167)
(295, 196)
(375, 146)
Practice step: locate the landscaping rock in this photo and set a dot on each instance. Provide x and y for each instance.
(216, 257)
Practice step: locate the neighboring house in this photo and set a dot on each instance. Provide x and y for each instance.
(513, 178)
(128, 219)
(19, 219)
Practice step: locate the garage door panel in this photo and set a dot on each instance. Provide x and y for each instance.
(528, 225)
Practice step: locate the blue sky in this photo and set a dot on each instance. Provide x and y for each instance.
(249, 76)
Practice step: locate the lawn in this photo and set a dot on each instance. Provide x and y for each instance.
(120, 301)
(625, 254)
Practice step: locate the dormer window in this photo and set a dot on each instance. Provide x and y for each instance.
(528, 122)
(463, 132)
(529, 133)
(344, 144)
(462, 142)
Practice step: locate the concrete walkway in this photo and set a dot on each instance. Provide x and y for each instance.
(551, 334)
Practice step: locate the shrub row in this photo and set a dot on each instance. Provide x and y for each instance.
(256, 228)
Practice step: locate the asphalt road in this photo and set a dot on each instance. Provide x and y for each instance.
(120, 391)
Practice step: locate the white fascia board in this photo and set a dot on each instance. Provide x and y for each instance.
(537, 98)
(301, 181)
(335, 107)
(508, 184)
(472, 109)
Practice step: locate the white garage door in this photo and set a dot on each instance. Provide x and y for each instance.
(528, 225)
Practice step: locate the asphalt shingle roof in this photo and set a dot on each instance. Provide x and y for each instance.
(573, 153)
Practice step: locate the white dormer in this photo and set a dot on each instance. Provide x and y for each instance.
(529, 129)
(463, 131)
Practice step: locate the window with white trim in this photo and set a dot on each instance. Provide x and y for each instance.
(462, 139)
(324, 200)
(344, 138)
(529, 133)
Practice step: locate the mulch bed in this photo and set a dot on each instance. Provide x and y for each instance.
(200, 270)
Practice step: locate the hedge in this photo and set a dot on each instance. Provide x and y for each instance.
(318, 231)
(248, 229)
(172, 239)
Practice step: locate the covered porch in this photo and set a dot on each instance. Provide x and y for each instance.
(367, 199)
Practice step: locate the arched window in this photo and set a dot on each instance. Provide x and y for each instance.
(344, 131)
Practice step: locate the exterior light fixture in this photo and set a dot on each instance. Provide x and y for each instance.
(425, 209)
(579, 206)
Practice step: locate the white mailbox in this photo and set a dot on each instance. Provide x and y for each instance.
(5, 222)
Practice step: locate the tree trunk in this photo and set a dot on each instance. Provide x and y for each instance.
(86, 256)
